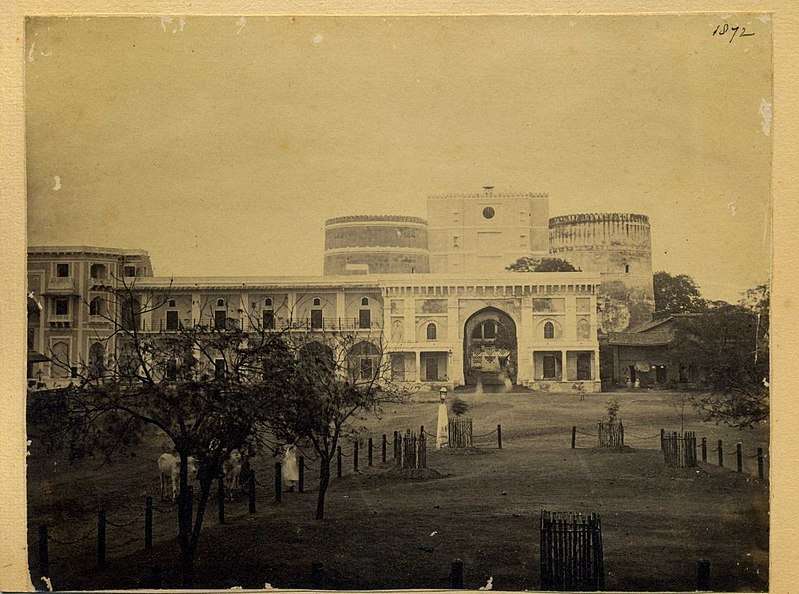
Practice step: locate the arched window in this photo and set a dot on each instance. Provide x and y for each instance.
(220, 315)
(96, 360)
(627, 268)
(316, 314)
(96, 307)
(268, 314)
(431, 331)
(485, 330)
(59, 360)
(365, 314)
(549, 330)
(583, 329)
(172, 320)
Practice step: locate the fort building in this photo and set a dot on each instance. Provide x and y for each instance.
(433, 295)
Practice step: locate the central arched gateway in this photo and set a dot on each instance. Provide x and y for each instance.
(490, 350)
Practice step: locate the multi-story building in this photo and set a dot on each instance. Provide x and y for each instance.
(434, 298)
(67, 283)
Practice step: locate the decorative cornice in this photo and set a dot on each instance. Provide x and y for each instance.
(492, 195)
(375, 219)
(40, 250)
(598, 217)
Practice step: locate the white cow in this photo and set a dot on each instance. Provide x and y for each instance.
(169, 469)
(232, 470)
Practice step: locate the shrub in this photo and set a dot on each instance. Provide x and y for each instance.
(459, 407)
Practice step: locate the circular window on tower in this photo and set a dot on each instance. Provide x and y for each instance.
(488, 212)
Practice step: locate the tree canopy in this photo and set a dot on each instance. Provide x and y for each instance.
(728, 344)
(676, 294)
(530, 264)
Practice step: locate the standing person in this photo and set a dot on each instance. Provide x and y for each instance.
(442, 428)
(289, 468)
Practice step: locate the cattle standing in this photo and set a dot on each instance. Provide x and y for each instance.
(169, 469)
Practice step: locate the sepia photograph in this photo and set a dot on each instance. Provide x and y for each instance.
(399, 302)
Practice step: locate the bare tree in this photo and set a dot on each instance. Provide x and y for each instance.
(204, 384)
(341, 377)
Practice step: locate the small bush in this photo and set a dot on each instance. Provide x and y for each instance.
(459, 407)
(613, 410)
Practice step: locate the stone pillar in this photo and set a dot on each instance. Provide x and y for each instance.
(525, 339)
(291, 305)
(562, 365)
(147, 303)
(409, 331)
(245, 312)
(196, 312)
(82, 311)
(341, 306)
(595, 364)
(455, 339)
(418, 366)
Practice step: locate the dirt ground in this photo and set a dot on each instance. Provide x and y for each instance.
(385, 530)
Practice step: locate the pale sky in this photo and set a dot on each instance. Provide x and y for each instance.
(221, 144)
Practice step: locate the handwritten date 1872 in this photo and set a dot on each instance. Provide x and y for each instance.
(722, 30)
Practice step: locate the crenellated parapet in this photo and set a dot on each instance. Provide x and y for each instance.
(618, 246)
(375, 219)
(587, 231)
(368, 244)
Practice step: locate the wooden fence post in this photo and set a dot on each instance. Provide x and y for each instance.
(703, 575)
(155, 577)
(355, 455)
(318, 575)
(44, 552)
(148, 523)
(301, 484)
(574, 436)
(704, 449)
(383, 445)
(220, 498)
(456, 575)
(278, 482)
(760, 467)
(251, 492)
(338, 461)
(499, 437)
(101, 538)
(369, 452)
(721, 453)
(739, 458)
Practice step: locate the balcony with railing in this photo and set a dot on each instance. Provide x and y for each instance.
(281, 325)
(62, 285)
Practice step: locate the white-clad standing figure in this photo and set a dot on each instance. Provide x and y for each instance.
(289, 468)
(442, 428)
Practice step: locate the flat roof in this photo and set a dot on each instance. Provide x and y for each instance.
(87, 249)
(376, 281)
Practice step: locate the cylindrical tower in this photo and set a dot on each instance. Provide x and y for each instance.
(364, 244)
(619, 247)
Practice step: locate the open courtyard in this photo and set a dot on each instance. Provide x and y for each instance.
(384, 530)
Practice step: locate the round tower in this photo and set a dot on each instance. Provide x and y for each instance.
(618, 246)
(364, 244)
